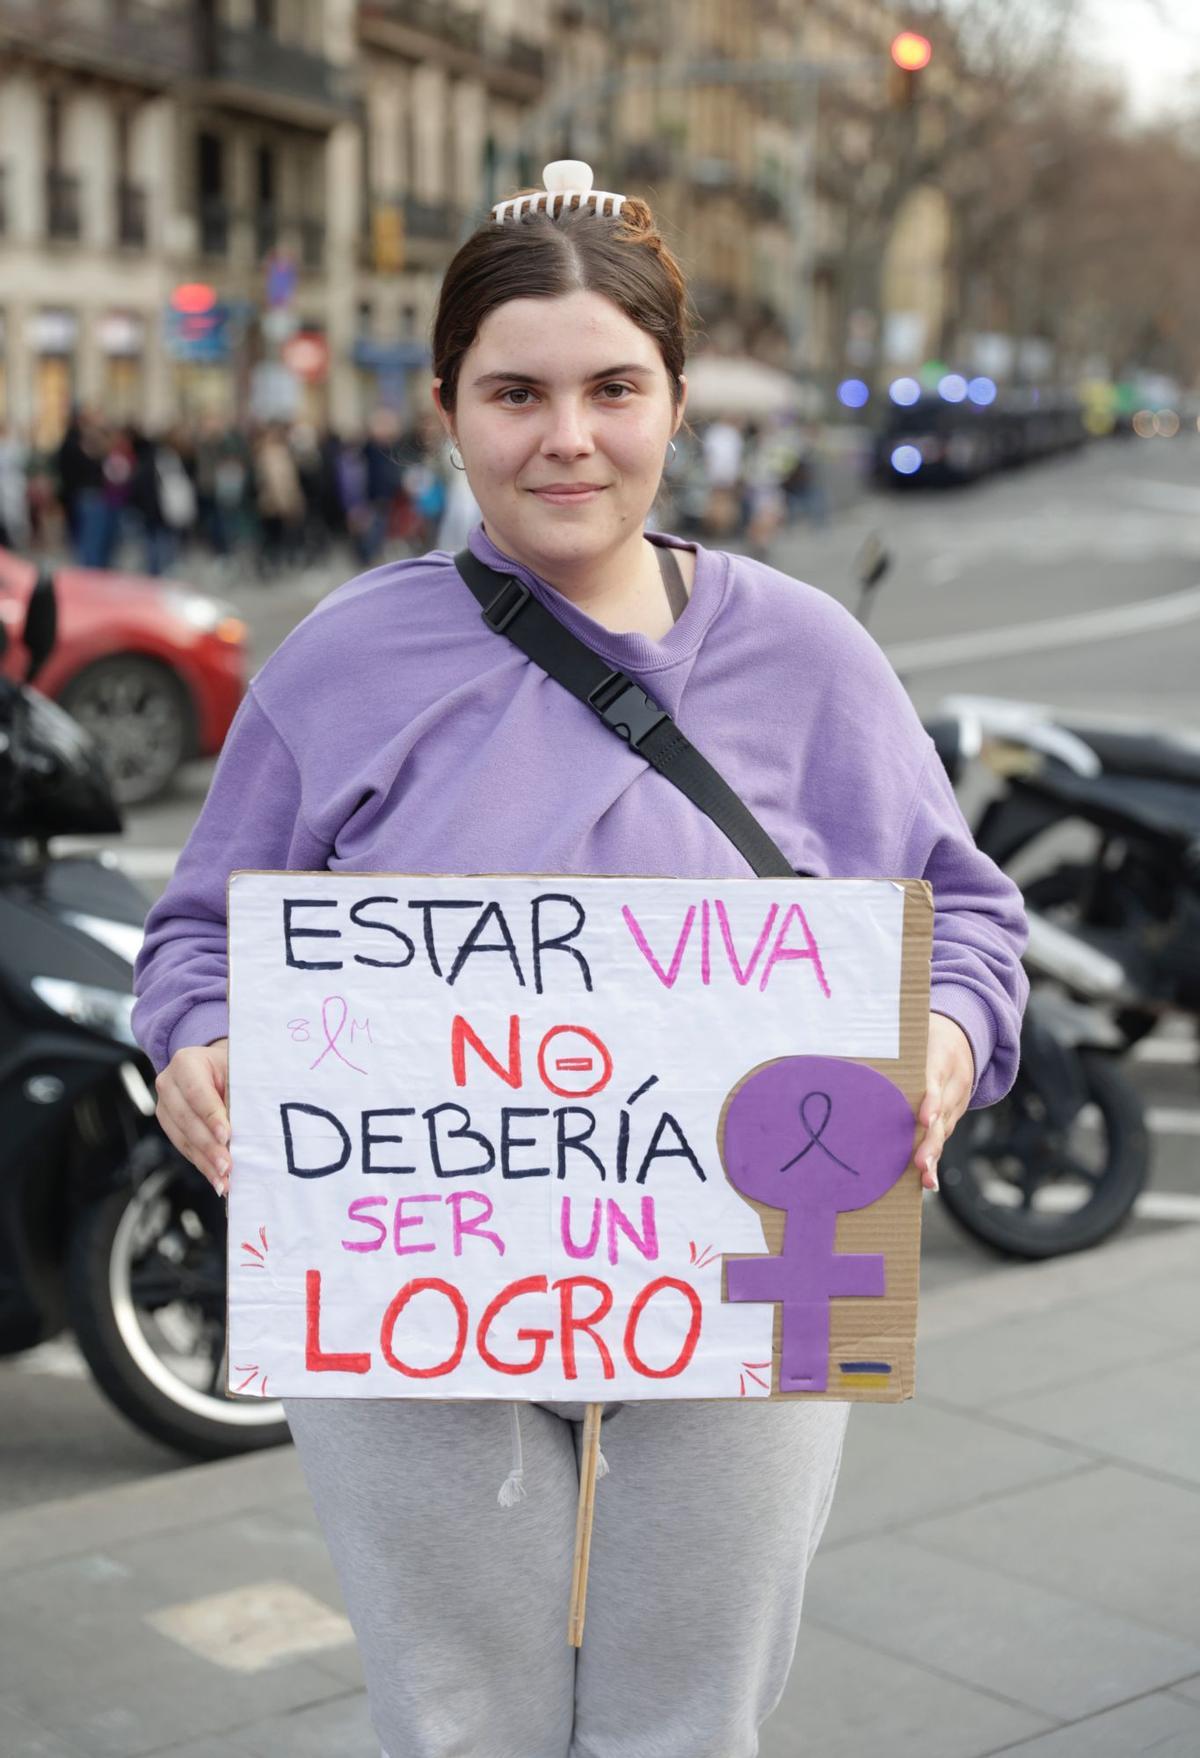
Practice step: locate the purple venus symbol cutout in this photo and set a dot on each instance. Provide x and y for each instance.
(813, 1136)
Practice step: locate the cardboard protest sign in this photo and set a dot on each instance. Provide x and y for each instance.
(574, 1138)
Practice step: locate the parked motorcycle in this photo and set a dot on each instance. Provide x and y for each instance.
(1134, 899)
(1059, 1163)
(103, 1224)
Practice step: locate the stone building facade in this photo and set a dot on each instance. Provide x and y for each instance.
(245, 206)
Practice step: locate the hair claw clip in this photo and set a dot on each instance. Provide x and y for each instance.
(563, 179)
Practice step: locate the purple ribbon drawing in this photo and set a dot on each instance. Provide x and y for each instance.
(815, 1137)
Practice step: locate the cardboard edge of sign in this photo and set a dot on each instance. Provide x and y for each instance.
(872, 1352)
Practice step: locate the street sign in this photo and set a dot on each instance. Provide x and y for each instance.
(281, 277)
(307, 355)
(199, 335)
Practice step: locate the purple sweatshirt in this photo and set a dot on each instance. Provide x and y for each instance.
(392, 731)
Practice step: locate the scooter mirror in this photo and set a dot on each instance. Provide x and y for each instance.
(41, 624)
(872, 562)
(870, 565)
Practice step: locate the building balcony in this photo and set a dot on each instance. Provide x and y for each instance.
(62, 206)
(131, 215)
(438, 221)
(461, 42)
(253, 69)
(528, 59)
(131, 40)
(450, 24)
(652, 160)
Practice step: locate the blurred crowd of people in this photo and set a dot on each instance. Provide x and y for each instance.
(274, 497)
(747, 481)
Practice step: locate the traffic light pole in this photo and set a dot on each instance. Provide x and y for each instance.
(550, 120)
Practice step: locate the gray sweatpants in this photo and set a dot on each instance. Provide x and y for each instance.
(704, 1528)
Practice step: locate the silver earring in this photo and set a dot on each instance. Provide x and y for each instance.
(457, 462)
(674, 449)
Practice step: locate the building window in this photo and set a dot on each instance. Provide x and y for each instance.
(62, 189)
(210, 180)
(265, 215)
(131, 196)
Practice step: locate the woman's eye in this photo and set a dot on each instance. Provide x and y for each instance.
(623, 392)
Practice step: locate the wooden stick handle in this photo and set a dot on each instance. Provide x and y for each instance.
(583, 1521)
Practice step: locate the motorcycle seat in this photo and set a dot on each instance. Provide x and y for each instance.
(1157, 806)
(1156, 756)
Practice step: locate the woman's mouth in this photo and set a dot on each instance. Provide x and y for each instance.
(561, 496)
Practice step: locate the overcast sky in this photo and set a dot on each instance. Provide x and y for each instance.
(1154, 43)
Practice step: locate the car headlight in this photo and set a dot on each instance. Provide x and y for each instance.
(197, 609)
(107, 1011)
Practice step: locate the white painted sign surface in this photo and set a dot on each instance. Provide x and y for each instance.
(475, 1122)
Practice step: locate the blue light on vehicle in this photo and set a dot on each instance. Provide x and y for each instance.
(953, 388)
(904, 391)
(982, 391)
(853, 393)
(906, 460)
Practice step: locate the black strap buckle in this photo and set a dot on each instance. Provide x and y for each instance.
(509, 602)
(625, 707)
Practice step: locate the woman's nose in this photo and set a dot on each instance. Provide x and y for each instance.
(568, 432)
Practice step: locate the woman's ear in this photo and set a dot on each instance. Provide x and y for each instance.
(681, 405)
(442, 415)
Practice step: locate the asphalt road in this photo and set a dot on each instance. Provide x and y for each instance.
(1076, 583)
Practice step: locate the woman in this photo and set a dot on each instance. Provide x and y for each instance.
(394, 731)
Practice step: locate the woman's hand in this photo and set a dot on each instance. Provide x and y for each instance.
(191, 1108)
(949, 1082)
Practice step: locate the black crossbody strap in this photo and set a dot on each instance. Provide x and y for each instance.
(510, 608)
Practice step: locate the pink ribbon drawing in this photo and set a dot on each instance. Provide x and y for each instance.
(332, 1038)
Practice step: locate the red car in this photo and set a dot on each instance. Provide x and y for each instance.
(153, 668)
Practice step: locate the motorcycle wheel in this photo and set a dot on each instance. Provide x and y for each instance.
(146, 1293)
(1029, 1191)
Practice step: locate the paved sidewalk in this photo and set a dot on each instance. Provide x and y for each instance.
(1010, 1566)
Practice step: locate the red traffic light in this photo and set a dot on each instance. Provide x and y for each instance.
(911, 51)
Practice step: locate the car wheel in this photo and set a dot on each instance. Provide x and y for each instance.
(140, 715)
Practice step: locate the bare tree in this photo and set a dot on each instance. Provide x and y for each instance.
(994, 62)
